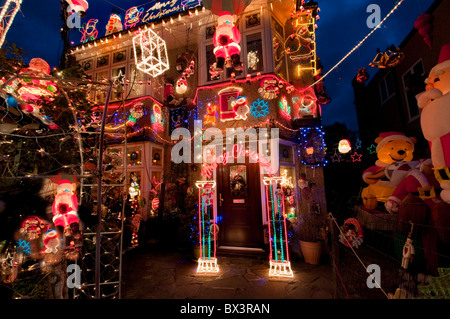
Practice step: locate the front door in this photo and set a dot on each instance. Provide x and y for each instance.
(239, 205)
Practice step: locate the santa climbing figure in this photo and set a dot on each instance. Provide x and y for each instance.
(226, 42)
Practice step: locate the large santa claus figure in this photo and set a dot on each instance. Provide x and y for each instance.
(434, 119)
(226, 42)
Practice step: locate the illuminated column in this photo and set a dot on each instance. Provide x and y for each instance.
(207, 262)
(7, 15)
(280, 265)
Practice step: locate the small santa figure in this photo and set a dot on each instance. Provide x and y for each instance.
(226, 42)
(408, 253)
(51, 241)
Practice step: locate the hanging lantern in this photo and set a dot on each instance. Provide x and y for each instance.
(362, 75)
(344, 146)
(153, 59)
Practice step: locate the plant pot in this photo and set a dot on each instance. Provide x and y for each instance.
(311, 251)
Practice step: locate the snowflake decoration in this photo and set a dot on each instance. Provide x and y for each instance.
(23, 247)
(259, 108)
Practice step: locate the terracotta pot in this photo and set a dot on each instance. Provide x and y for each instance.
(311, 251)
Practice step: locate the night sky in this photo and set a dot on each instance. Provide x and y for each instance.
(341, 26)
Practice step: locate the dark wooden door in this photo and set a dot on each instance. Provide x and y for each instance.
(239, 205)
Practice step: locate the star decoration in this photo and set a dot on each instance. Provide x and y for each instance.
(119, 79)
(336, 157)
(356, 157)
(358, 144)
(372, 149)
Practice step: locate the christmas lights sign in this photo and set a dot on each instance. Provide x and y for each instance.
(163, 9)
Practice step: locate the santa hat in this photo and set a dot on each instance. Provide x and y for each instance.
(444, 60)
(389, 136)
(64, 186)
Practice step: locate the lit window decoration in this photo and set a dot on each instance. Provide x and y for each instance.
(298, 45)
(285, 109)
(132, 17)
(269, 88)
(226, 98)
(156, 118)
(134, 189)
(280, 265)
(286, 181)
(178, 118)
(7, 16)
(114, 24)
(207, 262)
(356, 157)
(259, 108)
(89, 31)
(240, 108)
(153, 59)
(312, 146)
(344, 146)
(252, 60)
(210, 115)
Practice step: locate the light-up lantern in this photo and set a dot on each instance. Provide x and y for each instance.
(207, 261)
(280, 266)
(344, 146)
(310, 150)
(7, 15)
(153, 59)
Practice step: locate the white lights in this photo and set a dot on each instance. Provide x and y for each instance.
(7, 16)
(153, 59)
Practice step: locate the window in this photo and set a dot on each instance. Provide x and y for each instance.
(118, 76)
(100, 95)
(278, 49)
(120, 56)
(254, 53)
(102, 61)
(387, 87)
(413, 84)
(137, 83)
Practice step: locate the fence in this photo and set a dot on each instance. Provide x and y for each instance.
(385, 235)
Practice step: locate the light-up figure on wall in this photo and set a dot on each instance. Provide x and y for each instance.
(133, 16)
(89, 31)
(114, 24)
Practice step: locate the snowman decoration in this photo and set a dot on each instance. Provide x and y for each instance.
(240, 108)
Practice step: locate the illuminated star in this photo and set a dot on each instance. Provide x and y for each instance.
(120, 78)
(356, 157)
(358, 144)
(336, 157)
(372, 149)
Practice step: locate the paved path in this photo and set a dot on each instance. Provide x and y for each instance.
(154, 274)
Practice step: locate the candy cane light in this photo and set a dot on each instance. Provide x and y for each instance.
(7, 15)
(207, 262)
(280, 266)
(153, 59)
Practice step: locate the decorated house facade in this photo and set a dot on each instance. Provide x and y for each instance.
(220, 104)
